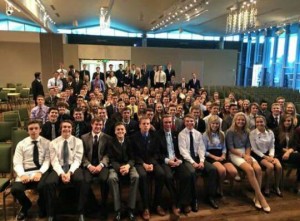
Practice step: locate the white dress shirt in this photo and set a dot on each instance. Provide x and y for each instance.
(160, 77)
(23, 157)
(261, 143)
(112, 82)
(75, 146)
(184, 145)
(51, 83)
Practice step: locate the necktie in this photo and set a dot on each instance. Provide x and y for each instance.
(173, 125)
(276, 119)
(196, 124)
(65, 154)
(55, 82)
(36, 154)
(132, 111)
(40, 113)
(53, 132)
(192, 145)
(159, 77)
(95, 160)
(115, 109)
(77, 130)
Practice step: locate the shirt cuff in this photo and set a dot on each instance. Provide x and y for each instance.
(167, 160)
(101, 164)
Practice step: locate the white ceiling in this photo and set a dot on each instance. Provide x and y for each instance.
(137, 15)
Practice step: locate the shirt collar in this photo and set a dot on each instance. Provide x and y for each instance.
(98, 135)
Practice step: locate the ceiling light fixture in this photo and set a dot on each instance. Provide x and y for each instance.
(241, 17)
(182, 11)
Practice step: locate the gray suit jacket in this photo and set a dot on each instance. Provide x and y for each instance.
(104, 143)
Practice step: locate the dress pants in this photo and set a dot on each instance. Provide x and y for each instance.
(54, 181)
(144, 184)
(18, 191)
(180, 196)
(114, 179)
(210, 172)
(102, 176)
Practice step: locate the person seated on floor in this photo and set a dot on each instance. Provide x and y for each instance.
(31, 162)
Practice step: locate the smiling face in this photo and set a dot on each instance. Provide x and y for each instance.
(97, 126)
(240, 122)
(260, 123)
(66, 129)
(189, 122)
(120, 131)
(214, 125)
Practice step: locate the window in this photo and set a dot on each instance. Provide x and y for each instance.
(32, 28)
(15, 26)
(3, 25)
(121, 33)
(64, 31)
(79, 31)
(93, 30)
(161, 35)
(107, 32)
(197, 37)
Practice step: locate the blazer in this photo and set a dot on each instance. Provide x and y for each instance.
(169, 74)
(108, 127)
(196, 86)
(47, 130)
(143, 150)
(272, 123)
(293, 143)
(201, 127)
(161, 145)
(51, 102)
(104, 145)
(120, 155)
(83, 128)
(37, 88)
(132, 127)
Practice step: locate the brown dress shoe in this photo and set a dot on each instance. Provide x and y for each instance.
(146, 214)
(160, 211)
(187, 209)
(176, 211)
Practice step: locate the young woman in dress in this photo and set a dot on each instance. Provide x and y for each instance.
(214, 141)
(263, 150)
(238, 143)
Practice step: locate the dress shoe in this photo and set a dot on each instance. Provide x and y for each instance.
(187, 209)
(117, 216)
(176, 211)
(146, 214)
(213, 203)
(256, 203)
(195, 206)
(81, 217)
(21, 215)
(160, 211)
(277, 192)
(267, 209)
(131, 215)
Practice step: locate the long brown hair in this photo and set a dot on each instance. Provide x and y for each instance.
(284, 131)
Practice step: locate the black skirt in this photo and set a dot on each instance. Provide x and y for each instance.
(258, 158)
(218, 153)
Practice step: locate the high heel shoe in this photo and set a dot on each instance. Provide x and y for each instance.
(278, 192)
(257, 203)
(267, 209)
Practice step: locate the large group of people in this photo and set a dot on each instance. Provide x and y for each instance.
(112, 128)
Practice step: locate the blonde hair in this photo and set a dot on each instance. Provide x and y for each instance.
(214, 118)
(233, 126)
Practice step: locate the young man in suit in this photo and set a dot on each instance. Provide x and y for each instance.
(95, 158)
(31, 162)
(192, 149)
(199, 122)
(80, 126)
(194, 82)
(169, 72)
(131, 125)
(52, 99)
(36, 86)
(121, 159)
(50, 129)
(172, 164)
(274, 118)
(66, 152)
(145, 155)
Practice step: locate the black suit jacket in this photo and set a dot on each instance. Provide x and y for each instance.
(132, 127)
(104, 144)
(120, 76)
(161, 145)
(272, 123)
(169, 74)
(196, 86)
(82, 73)
(110, 111)
(83, 128)
(201, 126)
(108, 127)
(144, 150)
(37, 88)
(47, 130)
(51, 102)
(101, 76)
(179, 85)
(266, 113)
(77, 86)
(120, 155)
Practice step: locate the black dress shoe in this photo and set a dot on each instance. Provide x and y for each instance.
(213, 203)
(195, 206)
(131, 215)
(21, 215)
(117, 216)
(81, 217)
